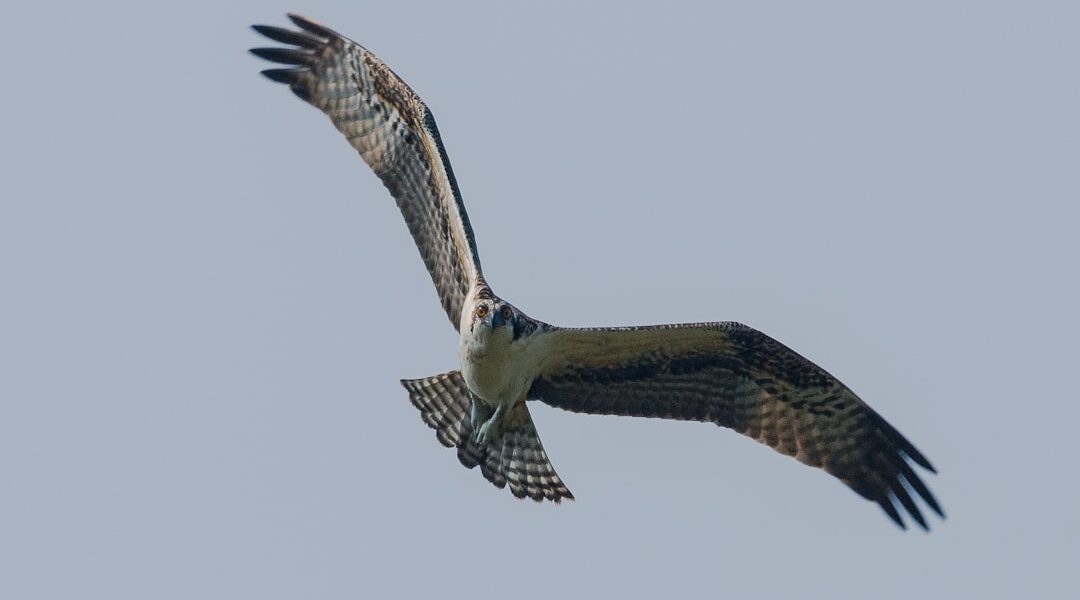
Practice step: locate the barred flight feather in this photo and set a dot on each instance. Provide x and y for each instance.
(395, 134)
(722, 373)
(517, 458)
(737, 377)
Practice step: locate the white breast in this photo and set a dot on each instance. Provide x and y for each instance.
(495, 368)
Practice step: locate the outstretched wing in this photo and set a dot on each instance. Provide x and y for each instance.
(395, 134)
(737, 377)
(517, 457)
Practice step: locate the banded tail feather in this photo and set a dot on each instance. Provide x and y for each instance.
(516, 458)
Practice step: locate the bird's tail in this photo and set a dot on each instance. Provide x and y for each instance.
(516, 456)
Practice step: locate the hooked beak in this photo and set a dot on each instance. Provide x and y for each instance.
(496, 319)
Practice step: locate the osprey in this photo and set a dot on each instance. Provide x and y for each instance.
(723, 372)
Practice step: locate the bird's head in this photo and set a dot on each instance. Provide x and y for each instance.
(494, 315)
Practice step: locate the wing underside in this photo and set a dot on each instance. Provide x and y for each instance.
(395, 134)
(739, 378)
(723, 373)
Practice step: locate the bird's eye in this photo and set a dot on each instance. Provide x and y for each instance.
(482, 311)
(507, 313)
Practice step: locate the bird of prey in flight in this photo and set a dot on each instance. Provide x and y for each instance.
(722, 372)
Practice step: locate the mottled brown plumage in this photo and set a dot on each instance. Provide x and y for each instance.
(395, 134)
(723, 373)
(737, 377)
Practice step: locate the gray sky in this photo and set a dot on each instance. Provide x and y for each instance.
(208, 299)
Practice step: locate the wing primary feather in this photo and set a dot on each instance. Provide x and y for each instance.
(737, 377)
(904, 497)
(287, 36)
(910, 452)
(287, 56)
(287, 76)
(920, 488)
(886, 504)
(311, 26)
(900, 441)
(395, 134)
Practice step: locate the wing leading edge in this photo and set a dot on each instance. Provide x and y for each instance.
(395, 134)
(737, 377)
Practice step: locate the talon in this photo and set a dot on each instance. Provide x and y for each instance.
(487, 432)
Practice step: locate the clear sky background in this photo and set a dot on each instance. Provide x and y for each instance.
(208, 300)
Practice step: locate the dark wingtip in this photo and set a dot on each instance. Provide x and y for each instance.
(287, 76)
(900, 441)
(914, 454)
(287, 36)
(912, 480)
(901, 475)
(890, 510)
(311, 26)
(287, 56)
(909, 505)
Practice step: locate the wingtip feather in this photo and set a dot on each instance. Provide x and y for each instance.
(914, 482)
(909, 505)
(287, 36)
(286, 76)
(312, 26)
(886, 505)
(287, 56)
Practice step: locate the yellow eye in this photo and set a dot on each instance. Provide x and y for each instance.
(482, 311)
(507, 313)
